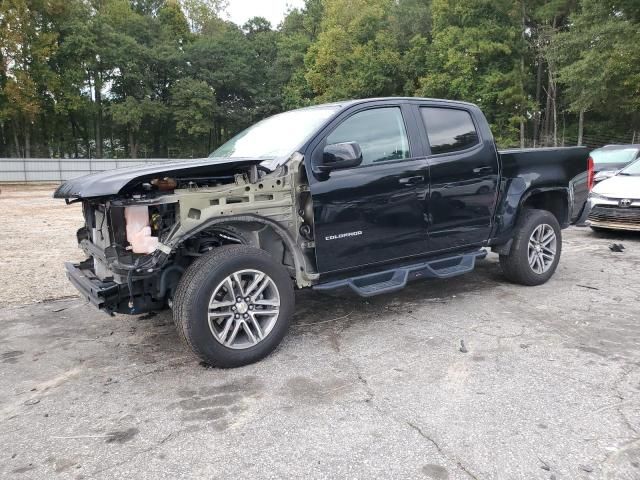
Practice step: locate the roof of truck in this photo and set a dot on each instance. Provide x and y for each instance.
(348, 103)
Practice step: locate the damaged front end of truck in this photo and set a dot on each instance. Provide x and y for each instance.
(145, 225)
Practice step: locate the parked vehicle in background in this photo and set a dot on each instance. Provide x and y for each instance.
(611, 158)
(364, 195)
(614, 204)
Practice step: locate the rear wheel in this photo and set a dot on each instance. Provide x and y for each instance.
(233, 306)
(535, 251)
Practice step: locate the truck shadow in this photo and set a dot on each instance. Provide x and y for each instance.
(153, 336)
(317, 309)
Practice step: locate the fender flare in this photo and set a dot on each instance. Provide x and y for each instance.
(510, 207)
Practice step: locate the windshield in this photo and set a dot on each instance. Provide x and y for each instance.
(276, 136)
(623, 155)
(631, 170)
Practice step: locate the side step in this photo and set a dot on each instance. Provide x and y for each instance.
(395, 279)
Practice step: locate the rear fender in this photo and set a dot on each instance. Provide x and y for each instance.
(518, 196)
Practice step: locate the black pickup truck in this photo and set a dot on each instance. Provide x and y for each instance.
(364, 195)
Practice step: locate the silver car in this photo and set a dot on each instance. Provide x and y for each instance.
(614, 204)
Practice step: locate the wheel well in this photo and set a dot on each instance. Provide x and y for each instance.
(260, 236)
(551, 201)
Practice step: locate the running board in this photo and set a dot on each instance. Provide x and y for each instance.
(393, 280)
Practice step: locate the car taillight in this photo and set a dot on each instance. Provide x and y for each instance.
(590, 173)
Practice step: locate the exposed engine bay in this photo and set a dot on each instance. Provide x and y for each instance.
(140, 241)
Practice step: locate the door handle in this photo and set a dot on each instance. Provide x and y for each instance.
(408, 181)
(482, 170)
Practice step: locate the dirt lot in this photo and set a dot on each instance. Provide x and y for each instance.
(36, 238)
(548, 386)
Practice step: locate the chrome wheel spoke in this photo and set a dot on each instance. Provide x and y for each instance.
(236, 328)
(261, 288)
(541, 249)
(238, 283)
(256, 325)
(267, 302)
(250, 335)
(229, 284)
(254, 284)
(225, 331)
(243, 309)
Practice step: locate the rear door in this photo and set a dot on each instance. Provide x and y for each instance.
(377, 211)
(464, 176)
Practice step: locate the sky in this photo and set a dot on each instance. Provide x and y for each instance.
(239, 11)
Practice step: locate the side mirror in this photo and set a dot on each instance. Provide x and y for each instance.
(340, 155)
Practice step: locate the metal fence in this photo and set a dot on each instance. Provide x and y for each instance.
(60, 169)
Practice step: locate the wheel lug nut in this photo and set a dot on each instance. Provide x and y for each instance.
(247, 299)
(233, 308)
(246, 316)
(237, 315)
(250, 307)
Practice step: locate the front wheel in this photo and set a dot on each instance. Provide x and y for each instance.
(535, 251)
(233, 306)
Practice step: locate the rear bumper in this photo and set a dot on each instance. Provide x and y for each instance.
(103, 294)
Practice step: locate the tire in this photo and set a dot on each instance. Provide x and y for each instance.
(516, 265)
(207, 280)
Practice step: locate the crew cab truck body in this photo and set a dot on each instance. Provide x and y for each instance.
(362, 195)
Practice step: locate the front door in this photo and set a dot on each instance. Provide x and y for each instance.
(377, 211)
(464, 179)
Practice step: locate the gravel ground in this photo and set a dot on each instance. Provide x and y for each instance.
(548, 386)
(38, 235)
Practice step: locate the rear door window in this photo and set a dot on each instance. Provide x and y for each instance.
(448, 129)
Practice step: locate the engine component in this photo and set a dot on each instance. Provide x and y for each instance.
(306, 231)
(164, 184)
(138, 229)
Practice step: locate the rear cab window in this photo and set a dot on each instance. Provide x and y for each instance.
(449, 129)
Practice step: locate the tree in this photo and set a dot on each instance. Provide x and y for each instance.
(194, 106)
(598, 60)
(475, 56)
(26, 46)
(355, 55)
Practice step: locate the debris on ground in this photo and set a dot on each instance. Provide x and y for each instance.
(616, 247)
(463, 349)
(587, 286)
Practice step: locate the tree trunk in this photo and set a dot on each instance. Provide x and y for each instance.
(580, 127)
(536, 117)
(555, 115)
(133, 148)
(97, 87)
(16, 140)
(27, 139)
(523, 98)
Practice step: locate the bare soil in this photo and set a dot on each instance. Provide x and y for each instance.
(37, 235)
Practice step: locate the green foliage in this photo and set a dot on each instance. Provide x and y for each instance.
(599, 60)
(354, 55)
(173, 78)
